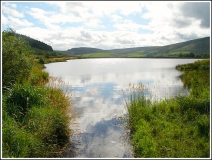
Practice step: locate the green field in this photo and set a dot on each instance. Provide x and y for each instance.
(101, 55)
(140, 54)
(92, 55)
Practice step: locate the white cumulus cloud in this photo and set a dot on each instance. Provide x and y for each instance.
(109, 24)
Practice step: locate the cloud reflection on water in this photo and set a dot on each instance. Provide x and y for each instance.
(98, 97)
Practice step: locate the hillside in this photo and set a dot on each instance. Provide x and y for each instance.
(37, 45)
(84, 50)
(131, 50)
(197, 46)
(193, 48)
(42, 51)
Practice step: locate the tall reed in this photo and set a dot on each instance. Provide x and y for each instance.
(177, 127)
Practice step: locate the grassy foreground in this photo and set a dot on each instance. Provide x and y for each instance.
(36, 113)
(178, 127)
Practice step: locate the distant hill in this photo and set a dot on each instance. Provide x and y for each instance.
(197, 47)
(37, 45)
(83, 50)
(130, 50)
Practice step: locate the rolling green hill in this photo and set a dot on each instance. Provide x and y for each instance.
(197, 48)
(84, 50)
(194, 48)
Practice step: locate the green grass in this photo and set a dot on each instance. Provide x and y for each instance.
(36, 112)
(139, 54)
(176, 53)
(52, 59)
(136, 54)
(36, 115)
(35, 121)
(102, 55)
(99, 55)
(178, 127)
(38, 76)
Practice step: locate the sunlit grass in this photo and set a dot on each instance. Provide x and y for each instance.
(36, 120)
(177, 127)
(92, 55)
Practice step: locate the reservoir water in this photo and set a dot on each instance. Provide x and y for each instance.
(98, 88)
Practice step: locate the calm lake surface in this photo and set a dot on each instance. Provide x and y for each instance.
(98, 86)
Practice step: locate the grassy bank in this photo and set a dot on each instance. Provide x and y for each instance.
(178, 127)
(44, 60)
(36, 113)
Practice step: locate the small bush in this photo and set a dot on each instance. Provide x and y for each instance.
(16, 60)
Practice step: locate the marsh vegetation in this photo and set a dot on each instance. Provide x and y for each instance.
(177, 127)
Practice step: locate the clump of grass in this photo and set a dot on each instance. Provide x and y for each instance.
(178, 127)
(36, 121)
(38, 76)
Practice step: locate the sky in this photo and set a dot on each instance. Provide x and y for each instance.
(108, 24)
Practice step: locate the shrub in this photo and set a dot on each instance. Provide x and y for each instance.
(16, 62)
